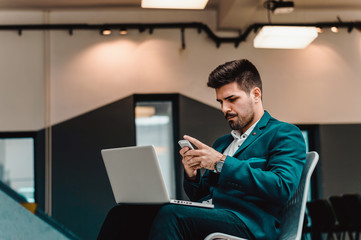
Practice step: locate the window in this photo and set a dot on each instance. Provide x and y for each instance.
(17, 165)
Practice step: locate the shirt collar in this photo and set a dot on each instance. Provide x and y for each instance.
(237, 136)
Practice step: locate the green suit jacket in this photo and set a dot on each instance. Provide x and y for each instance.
(258, 180)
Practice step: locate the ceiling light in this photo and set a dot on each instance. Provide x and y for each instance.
(285, 37)
(334, 29)
(105, 32)
(178, 4)
(319, 30)
(123, 32)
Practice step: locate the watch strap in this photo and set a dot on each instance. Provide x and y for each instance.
(219, 165)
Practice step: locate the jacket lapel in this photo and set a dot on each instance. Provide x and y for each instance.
(257, 131)
(225, 144)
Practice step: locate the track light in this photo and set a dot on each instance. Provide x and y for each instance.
(105, 32)
(319, 29)
(280, 7)
(105, 29)
(123, 31)
(334, 29)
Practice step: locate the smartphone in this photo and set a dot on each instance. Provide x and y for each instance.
(185, 143)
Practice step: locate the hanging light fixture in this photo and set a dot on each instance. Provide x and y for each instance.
(177, 4)
(285, 37)
(282, 36)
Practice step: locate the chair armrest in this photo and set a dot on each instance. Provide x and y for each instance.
(216, 236)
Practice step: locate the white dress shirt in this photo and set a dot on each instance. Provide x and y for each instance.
(238, 140)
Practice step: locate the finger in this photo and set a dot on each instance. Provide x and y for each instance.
(183, 151)
(187, 159)
(193, 161)
(196, 167)
(192, 153)
(196, 142)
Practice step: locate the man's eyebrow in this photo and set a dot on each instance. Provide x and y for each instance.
(231, 96)
(219, 100)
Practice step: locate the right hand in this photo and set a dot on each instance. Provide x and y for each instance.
(190, 170)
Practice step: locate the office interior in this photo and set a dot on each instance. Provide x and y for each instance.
(68, 93)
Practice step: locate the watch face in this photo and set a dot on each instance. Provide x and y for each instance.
(219, 166)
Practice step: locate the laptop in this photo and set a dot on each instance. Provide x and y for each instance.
(136, 178)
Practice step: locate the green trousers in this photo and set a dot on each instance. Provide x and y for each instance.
(170, 221)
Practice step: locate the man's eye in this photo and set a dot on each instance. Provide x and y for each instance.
(232, 99)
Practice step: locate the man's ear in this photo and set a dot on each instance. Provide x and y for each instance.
(257, 94)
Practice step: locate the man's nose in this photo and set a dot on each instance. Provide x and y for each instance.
(225, 108)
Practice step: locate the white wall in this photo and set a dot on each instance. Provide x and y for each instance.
(317, 85)
(21, 74)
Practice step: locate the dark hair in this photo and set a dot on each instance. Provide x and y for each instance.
(242, 71)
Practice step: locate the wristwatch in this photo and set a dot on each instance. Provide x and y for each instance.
(219, 165)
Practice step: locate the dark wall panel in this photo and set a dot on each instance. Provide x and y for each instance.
(341, 158)
(82, 194)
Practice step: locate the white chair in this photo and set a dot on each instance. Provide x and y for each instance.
(293, 213)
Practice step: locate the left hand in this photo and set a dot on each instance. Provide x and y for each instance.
(204, 156)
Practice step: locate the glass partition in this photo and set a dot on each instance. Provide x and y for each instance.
(17, 165)
(154, 126)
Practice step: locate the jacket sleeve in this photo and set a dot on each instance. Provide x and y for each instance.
(198, 189)
(273, 177)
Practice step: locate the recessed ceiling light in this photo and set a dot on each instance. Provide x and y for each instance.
(177, 4)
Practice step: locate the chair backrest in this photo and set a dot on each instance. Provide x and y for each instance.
(293, 213)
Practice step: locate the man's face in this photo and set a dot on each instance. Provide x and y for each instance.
(237, 106)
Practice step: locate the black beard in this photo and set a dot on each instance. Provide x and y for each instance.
(236, 125)
(239, 124)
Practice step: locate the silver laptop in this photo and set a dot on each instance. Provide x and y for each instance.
(135, 177)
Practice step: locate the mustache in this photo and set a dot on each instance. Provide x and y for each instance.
(228, 115)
